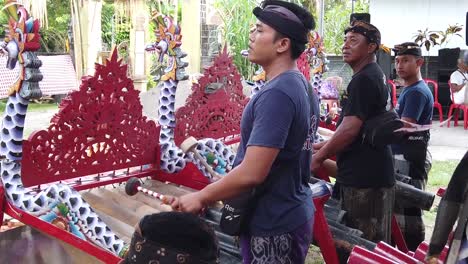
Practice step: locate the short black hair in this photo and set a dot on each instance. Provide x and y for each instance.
(306, 18)
(182, 231)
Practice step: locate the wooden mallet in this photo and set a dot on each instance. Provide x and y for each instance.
(190, 145)
(134, 185)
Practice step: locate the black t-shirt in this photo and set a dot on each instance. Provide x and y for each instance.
(361, 165)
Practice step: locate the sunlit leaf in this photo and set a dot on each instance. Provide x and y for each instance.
(427, 44)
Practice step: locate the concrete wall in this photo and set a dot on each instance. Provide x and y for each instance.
(399, 20)
(200, 33)
(209, 33)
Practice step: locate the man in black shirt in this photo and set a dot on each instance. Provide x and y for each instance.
(365, 172)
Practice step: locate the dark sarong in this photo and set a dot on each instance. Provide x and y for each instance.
(289, 248)
(369, 210)
(410, 219)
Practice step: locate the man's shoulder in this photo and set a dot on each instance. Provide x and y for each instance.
(418, 91)
(456, 74)
(289, 83)
(373, 69)
(289, 77)
(371, 72)
(414, 91)
(422, 87)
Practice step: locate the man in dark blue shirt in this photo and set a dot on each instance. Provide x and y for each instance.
(415, 106)
(276, 141)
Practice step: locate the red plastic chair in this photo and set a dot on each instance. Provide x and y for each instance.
(436, 98)
(394, 98)
(455, 108)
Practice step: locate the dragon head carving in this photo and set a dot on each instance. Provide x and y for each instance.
(168, 42)
(20, 43)
(23, 34)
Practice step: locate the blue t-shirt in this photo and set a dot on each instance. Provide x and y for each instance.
(279, 117)
(415, 102)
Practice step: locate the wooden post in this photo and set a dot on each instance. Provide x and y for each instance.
(191, 32)
(138, 41)
(86, 16)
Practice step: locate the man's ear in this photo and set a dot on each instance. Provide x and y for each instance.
(283, 45)
(372, 47)
(419, 61)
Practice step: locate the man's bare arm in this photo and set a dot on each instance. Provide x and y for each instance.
(345, 134)
(456, 87)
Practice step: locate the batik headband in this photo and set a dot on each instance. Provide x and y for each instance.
(407, 49)
(366, 29)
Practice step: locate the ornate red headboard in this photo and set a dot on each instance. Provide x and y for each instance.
(214, 108)
(97, 129)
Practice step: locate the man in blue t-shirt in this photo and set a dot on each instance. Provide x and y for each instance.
(276, 139)
(415, 106)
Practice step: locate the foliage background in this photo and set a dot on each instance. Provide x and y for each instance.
(236, 16)
(237, 20)
(115, 27)
(337, 15)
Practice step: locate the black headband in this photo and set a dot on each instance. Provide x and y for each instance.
(284, 21)
(407, 49)
(366, 29)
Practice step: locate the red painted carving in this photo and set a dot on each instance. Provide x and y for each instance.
(214, 108)
(98, 128)
(303, 65)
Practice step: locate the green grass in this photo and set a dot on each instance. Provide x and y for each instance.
(440, 174)
(32, 107)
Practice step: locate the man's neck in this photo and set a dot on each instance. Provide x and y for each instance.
(412, 80)
(358, 66)
(279, 66)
